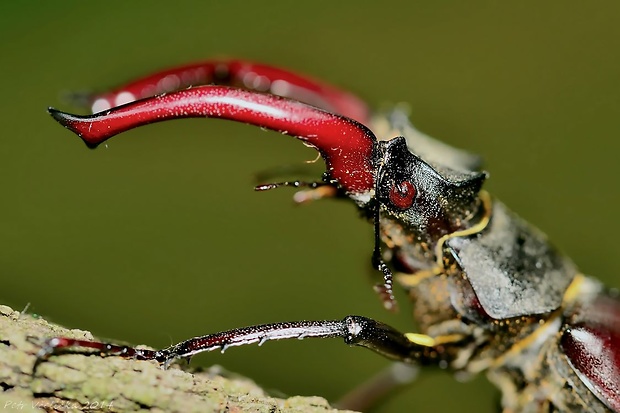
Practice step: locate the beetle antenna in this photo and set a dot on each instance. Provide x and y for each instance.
(294, 184)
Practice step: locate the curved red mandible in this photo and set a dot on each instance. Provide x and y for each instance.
(238, 73)
(345, 144)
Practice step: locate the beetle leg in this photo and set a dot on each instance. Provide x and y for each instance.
(355, 330)
(239, 73)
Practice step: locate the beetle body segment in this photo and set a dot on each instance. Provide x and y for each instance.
(535, 324)
(489, 292)
(512, 268)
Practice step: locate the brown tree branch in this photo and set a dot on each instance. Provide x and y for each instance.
(77, 382)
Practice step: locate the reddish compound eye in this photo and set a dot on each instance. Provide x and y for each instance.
(402, 195)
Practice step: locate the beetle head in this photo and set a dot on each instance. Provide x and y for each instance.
(428, 201)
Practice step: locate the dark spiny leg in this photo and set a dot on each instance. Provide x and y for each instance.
(55, 344)
(355, 330)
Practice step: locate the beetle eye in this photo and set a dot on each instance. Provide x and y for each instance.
(402, 194)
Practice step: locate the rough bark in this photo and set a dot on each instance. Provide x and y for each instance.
(77, 382)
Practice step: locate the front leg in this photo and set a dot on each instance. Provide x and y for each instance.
(355, 330)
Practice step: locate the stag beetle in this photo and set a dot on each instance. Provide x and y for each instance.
(490, 293)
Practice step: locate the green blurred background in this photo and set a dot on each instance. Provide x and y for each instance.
(158, 236)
